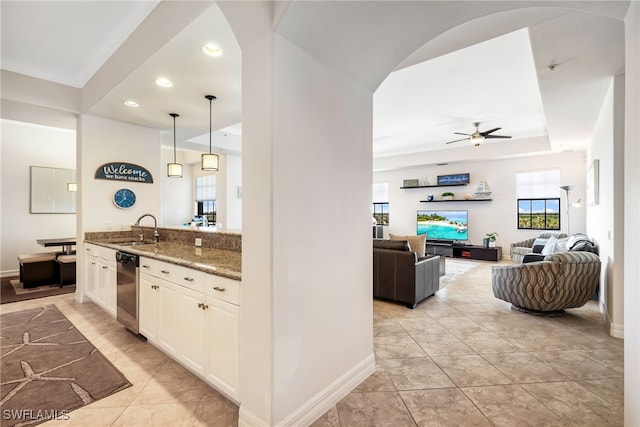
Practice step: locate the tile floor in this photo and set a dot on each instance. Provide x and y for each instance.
(461, 358)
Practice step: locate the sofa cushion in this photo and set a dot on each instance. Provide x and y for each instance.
(397, 245)
(416, 243)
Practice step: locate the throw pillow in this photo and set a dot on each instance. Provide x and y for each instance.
(561, 245)
(550, 247)
(416, 243)
(538, 245)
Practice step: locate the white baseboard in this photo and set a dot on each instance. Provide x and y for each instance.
(9, 273)
(318, 405)
(616, 330)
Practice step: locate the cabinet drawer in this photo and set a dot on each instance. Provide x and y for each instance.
(223, 288)
(149, 266)
(184, 276)
(100, 252)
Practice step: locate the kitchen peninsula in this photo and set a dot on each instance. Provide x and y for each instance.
(184, 299)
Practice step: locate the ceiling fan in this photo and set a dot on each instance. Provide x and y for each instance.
(477, 137)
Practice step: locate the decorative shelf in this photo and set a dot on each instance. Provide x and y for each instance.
(456, 200)
(433, 186)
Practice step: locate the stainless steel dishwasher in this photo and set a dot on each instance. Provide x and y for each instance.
(127, 290)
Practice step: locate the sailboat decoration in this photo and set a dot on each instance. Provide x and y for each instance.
(483, 191)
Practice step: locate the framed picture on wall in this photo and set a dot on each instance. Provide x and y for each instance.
(593, 177)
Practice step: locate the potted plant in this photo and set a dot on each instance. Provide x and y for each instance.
(447, 195)
(489, 240)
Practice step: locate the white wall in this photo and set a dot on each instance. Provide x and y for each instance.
(605, 220)
(24, 145)
(631, 218)
(499, 215)
(103, 141)
(177, 193)
(306, 330)
(234, 192)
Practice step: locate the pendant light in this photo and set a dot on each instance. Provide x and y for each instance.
(210, 162)
(174, 170)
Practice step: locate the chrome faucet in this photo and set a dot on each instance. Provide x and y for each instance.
(156, 235)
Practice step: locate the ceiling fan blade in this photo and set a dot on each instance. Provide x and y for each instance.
(458, 133)
(457, 140)
(497, 136)
(487, 132)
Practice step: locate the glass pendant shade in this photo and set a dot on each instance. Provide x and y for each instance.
(174, 170)
(210, 161)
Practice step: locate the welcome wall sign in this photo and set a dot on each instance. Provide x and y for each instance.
(121, 171)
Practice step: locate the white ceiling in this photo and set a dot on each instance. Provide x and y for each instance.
(502, 82)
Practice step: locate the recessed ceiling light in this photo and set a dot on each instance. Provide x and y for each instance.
(131, 103)
(164, 82)
(212, 50)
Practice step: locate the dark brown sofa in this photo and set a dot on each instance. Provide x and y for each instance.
(400, 276)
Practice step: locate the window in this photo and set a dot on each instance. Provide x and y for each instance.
(539, 200)
(381, 203)
(206, 197)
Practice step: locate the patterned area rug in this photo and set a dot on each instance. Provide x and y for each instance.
(49, 368)
(455, 269)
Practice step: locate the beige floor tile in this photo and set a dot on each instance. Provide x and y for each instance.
(171, 384)
(396, 346)
(159, 415)
(523, 367)
(376, 409)
(418, 325)
(611, 390)
(470, 370)
(575, 365)
(577, 404)
(415, 373)
(217, 412)
(329, 419)
(486, 342)
(511, 405)
(442, 345)
(443, 408)
(387, 327)
(378, 381)
(461, 325)
(90, 416)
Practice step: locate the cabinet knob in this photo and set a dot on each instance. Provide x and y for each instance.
(154, 286)
(200, 305)
(164, 271)
(104, 267)
(188, 279)
(93, 263)
(219, 289)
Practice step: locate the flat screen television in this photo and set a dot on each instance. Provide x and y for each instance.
(443, 225)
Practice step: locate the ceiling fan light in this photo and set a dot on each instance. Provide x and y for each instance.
(174, 170)
(210, 162)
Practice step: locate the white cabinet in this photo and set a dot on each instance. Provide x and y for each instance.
(193, 317)
(223, 325)
(100, 276)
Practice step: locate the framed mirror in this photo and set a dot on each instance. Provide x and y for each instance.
(51, 192)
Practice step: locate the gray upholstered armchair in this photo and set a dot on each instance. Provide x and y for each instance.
(563, 280)
(520, 249)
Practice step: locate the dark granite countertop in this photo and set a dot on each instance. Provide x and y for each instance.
(220, 262)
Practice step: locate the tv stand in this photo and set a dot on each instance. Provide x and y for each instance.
(453, 249)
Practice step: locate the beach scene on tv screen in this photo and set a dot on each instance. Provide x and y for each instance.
(448, 225)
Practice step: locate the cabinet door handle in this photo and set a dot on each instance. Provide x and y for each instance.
(205, 306)
(165, 271)
(219, 289)
(200, 305)
(93, 263)
(188, 279)
(104, 267)
(154, 286)
(145, 266)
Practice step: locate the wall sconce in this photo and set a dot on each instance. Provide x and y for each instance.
(174, 170)
(210, 162)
